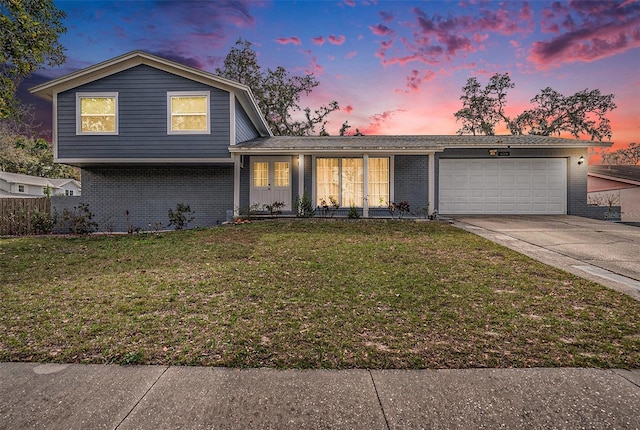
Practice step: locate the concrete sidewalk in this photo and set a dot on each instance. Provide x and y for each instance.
(604, 252)
(60, 396)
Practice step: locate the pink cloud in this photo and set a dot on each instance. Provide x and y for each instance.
(350, 3)
(594, 31)
(381, 30)
(514, 43)
(386, 16)
(314, 68)
(318, 40)
(286, 40)
(415, 79)
(378, 122)
(351, 54)
(336, 40)
(437, 38)
(348, 108)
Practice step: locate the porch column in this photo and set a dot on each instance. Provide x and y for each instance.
(300, 176)
(432, 183)
(365, 191)
(236, 184)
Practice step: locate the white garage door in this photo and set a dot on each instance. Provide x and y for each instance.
(503, 186)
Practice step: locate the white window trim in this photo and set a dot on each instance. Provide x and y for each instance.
(206, 94)
(80, 96)
(24, 188)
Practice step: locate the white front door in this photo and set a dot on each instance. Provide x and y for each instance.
(270, 181)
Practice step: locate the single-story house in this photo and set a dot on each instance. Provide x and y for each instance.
(19, 185)
(616, 185)
(149, 133)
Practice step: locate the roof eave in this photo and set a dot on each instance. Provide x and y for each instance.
(614, 178)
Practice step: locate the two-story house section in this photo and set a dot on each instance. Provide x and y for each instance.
(149, 133)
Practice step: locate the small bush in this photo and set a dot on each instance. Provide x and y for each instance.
(353, 213)
(79, 219)
(274, 208)
(181, 216)
(304, 207)
(42, 222)
(329, 208)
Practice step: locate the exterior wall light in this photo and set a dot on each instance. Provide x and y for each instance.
(580, 160)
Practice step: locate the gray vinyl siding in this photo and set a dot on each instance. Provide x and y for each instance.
(142, 118)
(245, 129)
(149, 192)
(576, 174)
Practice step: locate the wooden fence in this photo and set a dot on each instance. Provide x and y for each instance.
(17, 214)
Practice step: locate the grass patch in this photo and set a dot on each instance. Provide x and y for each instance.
(305, 294)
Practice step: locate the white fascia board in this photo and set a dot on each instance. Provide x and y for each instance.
(334, 152)
(87, 161)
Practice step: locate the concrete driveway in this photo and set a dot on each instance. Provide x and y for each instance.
(602, 251)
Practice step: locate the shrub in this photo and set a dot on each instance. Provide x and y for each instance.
(329, 208)
(304, 207)
(79, 219)
(181, 216)
(353, 213)
(274, 208)
(42, 222)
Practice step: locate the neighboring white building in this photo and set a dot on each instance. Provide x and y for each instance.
(19, 185)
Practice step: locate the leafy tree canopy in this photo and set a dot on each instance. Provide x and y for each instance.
(277, 92)
(627, 156)
(483, 108)
(22, 151)
(583, 113)
(29, 31)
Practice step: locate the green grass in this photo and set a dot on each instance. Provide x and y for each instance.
(305, 294)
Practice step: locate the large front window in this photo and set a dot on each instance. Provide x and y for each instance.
(378, 182)
(343, 180)
(188, 112)
(97, 113)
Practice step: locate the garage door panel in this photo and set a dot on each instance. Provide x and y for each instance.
(503, 186)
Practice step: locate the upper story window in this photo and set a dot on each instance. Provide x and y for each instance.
(97, 113)
(21, 188)
(188, 112)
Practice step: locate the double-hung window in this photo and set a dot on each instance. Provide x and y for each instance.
(343, 179)
(96, 113)
(188, 112)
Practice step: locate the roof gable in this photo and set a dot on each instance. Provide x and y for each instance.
(132, 59)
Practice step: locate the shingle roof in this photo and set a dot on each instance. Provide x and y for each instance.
(19, 178)
(403, 143)
(625, 173)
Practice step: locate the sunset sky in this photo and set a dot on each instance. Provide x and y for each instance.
(395, 67)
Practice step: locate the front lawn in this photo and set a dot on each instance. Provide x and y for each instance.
(305, 294)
